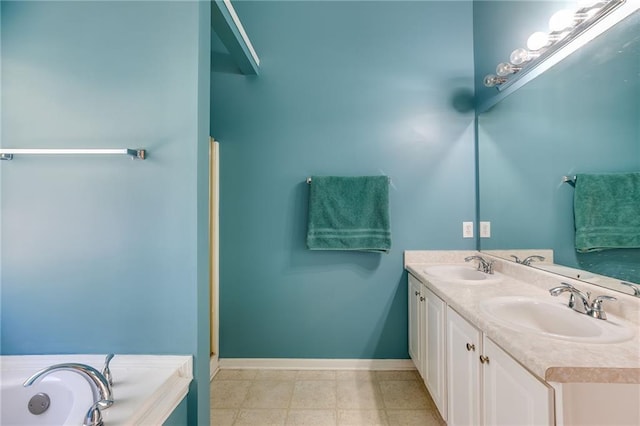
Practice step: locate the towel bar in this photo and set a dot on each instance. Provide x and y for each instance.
(308, 180)
(7, 154)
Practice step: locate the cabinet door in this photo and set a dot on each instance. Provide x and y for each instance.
(512, 395)
(415, 323)
(464, 346)
(434, 363)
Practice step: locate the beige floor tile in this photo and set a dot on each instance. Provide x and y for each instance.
(311, 417)
(228, 393)
(269, 394)
(437, 417)
(276, 375)
(316, 375)
(411, 418)
(314, 394)
(404, 394)
(261, 417)
(397, 375)
(235, 375)
(359, 395)
(362, 418)
(223, 416)
(355, 375)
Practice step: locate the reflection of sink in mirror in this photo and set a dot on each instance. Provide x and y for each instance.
(565, 271)
(555, 319)
(466, 274)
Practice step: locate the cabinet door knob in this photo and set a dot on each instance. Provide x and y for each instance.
(484, 359)
(417, 293)
(471, 347)
(422, 298)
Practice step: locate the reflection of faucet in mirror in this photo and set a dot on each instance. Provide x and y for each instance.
(634, 287)
(527, 260)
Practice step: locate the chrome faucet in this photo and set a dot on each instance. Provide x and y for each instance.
(102, 393)
(596, 307)
(584, 304)
(483, 265)
(527, 260)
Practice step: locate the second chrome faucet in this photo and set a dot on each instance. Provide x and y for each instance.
(581, 302)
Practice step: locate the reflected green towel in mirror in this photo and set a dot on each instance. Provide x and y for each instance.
(349, 213)
(607, 211)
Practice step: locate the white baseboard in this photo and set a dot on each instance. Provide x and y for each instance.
(315, 364)
(214, 366)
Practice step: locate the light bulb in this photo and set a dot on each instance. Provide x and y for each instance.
(505, 68)
(537, 40)
(491, 80)
(561, 20)
(520, 56)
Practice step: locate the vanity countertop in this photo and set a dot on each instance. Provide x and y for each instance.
(550, 359)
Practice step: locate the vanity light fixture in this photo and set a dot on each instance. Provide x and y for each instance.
(565, 25)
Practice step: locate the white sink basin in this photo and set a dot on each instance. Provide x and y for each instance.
(555, 319)
(465, 274)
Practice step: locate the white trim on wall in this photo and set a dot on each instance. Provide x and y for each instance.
(315, 364)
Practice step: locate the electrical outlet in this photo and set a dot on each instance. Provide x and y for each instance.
(485, 229)
(467, 229)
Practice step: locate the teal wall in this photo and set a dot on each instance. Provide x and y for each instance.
(105, 254)
(345, 88)
(581, 116)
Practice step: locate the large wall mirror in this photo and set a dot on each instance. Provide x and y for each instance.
(580, 116)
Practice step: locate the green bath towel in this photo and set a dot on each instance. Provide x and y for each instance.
(349, 213)
(607, 211)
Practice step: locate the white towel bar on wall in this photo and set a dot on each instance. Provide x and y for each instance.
(7, 154)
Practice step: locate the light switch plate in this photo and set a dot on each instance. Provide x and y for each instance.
(485, 229)
(467, 229)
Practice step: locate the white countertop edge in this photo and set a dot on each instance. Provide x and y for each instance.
(157, 408)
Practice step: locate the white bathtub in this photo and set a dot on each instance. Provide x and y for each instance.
(146, 389)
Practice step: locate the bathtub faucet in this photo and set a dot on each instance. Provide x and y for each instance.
(102, 393)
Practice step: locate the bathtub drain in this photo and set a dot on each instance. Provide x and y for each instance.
(39, 403)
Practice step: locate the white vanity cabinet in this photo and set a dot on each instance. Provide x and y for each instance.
(464, 346)
(512, 396)
(427, 340)
(488, 387)
(471, 380)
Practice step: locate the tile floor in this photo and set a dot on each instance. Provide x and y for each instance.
(323, 398)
